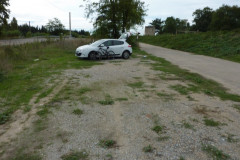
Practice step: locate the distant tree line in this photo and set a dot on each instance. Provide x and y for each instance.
(53, 27)
(206, 19)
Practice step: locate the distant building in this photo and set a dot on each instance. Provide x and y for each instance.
(150, 30)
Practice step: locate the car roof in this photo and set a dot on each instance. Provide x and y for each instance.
(114, 39)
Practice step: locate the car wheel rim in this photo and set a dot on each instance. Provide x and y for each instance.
(126, 55)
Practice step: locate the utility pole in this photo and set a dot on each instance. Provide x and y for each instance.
(29, 26)
(70, 27)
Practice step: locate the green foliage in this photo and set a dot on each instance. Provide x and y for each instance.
(158, 24)
(226, 18)
(76, 155)
(202, 19)
(116, 15)
(55, 26)
(4, 12)
(215, 153)
(224, 45)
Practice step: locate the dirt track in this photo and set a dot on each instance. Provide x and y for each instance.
(222, 71)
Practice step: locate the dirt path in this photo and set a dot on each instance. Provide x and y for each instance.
(126, 102)
(222, 71)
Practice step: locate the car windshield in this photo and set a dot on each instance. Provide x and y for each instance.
(97, 43)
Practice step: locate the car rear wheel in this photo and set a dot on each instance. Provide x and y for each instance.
(126, 55)
(92, 56)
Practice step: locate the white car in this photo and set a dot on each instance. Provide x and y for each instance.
(119, 47)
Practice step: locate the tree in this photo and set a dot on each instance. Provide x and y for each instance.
(158, 24)
(55, 26)
(14, 24)
(202, 19)
(112, 16)
(226, 18)
(4, 12)
(170, 25)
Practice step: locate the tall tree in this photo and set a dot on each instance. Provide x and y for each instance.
(203, 18)
(14, 24)
(158, 24)
(170, 25)
(4, 12)
(112, 16)
(55, 26)
(226, 18)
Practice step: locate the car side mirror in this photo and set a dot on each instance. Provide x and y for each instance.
(101, 45)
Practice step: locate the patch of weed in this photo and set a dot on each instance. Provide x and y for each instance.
(136, 85)
(158, 129)
(107, 143)
(163, 138)
(108, 101)
(187, 125)
(211, 123)
(27, 109)
(148, 149)
(166, 96)
(25, 156)
(76, 155)
(84, 90)
(215, 153)
(43, 112)
(77, 112)
(237, 107)
(122, 99)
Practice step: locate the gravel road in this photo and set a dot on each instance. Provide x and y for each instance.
(143, 115)
(222, 71)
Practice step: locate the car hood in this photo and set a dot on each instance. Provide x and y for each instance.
(83, 47)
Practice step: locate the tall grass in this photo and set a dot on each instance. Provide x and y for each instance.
(221, 44)
(24, 69)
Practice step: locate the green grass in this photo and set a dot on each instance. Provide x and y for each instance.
(29, 156)
(221, 44)
(215, 153)
(45, 93)
(23, 77)
(122, 99)
(237, 107)
(148, 149)
(197, 83)
(136, 85)
(211, 123)
(77, 112)
(163, 138)
(108, 101)
(107, 143)
(84, 90)
(76, 155)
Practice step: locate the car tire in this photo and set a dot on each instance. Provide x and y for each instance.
(125, 55)
(92, 56)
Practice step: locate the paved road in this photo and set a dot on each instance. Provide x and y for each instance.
(222, 71)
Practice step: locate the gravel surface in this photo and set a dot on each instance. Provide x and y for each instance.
(130, 121)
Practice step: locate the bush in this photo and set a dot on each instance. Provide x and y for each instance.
(133, 41)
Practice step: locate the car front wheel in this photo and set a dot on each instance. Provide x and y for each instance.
(126, 55)
(92, 56)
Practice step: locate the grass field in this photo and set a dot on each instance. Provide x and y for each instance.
(24, 69)
(224, 44)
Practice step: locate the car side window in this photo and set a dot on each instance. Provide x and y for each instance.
(108, 43)
(117, 43)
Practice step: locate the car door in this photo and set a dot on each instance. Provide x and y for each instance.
(118, 47)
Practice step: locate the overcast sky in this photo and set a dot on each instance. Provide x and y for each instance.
(39, 12)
